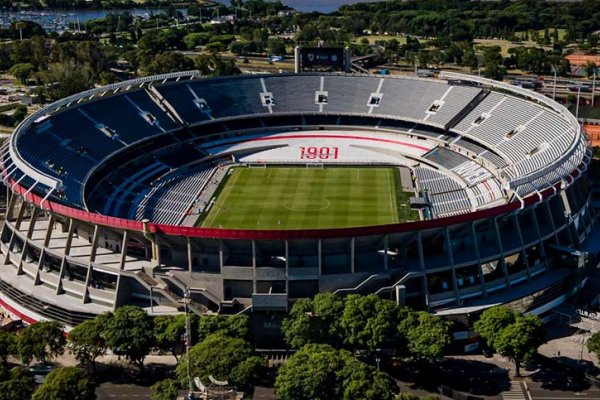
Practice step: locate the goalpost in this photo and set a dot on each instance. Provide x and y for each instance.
(257, 165)
(315, 165)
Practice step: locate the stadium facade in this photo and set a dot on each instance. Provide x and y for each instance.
(106, 188)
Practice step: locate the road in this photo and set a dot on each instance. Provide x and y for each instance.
(538, 391)
(116, 391)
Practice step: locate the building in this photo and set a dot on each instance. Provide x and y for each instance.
(105, 187)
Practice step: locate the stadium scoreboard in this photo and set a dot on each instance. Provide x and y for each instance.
(322, 58)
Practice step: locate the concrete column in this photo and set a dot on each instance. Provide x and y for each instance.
(221, 256)
(502, 255)
(552, 222)
(69, 241)
(320, 256)
(478, 255)
(297, 60)
(523, 253)
(14, 234)
(124, 244)
(37, 280)
(94, 244)
(451, 257)
(88, 279)
(287, 268)
(423, 268)
(352, 263)
(155, 245)
(67, 250)
(254, 286)
(189, 254)
(12, 198)
(26, 240)
(49, 230)
(9, 211)
(385, 252)
(20, 215)
(32, 222)
(539, 233)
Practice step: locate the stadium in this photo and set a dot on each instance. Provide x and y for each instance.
(242, 194)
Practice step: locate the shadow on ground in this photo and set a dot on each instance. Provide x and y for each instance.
(468, 376)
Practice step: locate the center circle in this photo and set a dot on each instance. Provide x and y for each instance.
(304, 204)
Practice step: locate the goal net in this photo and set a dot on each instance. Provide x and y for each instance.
(315, 165)
(257, 165)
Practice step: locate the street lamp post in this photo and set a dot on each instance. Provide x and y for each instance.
(554, 87)
(594, 85)
(188, 339)
(577, 106)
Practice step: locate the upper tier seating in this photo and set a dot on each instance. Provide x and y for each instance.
(519, 137)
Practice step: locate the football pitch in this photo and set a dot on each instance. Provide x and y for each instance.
(304, 198)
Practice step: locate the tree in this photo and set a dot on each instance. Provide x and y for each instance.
(165, 390)
(593, 343)
(7, 346)
(427, 334)
(129, 332)
(318, 371)
(235, 326)
(248, 373)
(64, 79)
(18, 385)
(106, 78)
(19, 114)
(412, 396)
(66, 383)
(43, 341)
(213, 65)
(169, 332)
(22, 71)
(511, 334)
(491, 323)
(492, 61)
(302, 325)
(521, 339)
(217, 355)
(168, 62)
(86, 342)
(590, 69)
(368, 321)
(193, 39)
(276, 46)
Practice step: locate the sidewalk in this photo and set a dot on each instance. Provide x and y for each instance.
(570, 350)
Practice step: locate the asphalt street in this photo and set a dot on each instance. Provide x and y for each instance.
(115, 391)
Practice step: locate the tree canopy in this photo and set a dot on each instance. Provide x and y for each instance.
(16, 384)
(129, 332)
(365, 323)
(66, 383)
(43, 341)
(593, 344)
(86, 341)
(511, 334)
(319, 371)
(223, 357)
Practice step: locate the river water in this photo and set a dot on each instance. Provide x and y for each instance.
(58, 20)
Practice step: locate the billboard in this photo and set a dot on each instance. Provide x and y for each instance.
(322, 57)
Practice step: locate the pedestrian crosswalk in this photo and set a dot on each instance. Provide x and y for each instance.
(515, 392)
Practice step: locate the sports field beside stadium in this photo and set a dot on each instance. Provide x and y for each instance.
(304, 198)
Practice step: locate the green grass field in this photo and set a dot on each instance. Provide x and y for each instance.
(301, 198)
